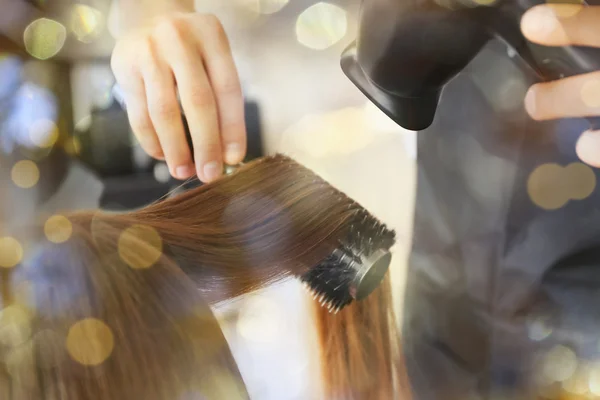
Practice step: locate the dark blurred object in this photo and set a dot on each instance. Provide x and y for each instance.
(407, 51)
(129, 175)
(106, 146)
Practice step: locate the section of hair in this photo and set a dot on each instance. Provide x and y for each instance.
(270, 220)
(117, 310)
(360, 357)
(83, 324)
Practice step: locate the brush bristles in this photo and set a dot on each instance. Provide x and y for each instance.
(329, 281)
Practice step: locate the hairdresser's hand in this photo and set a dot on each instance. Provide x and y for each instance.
(577, 96)
(186, 52)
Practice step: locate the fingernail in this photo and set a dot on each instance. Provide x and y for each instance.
(588, 148)
(184, 172)
(212, 170)
(539, 21)
(530, 102)
(233, 153)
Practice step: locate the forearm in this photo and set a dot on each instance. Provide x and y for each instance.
(132, 14)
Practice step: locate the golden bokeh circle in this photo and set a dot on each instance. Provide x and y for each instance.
(590, 93)
(321, 26)
(578, 383)
(86, 22)
(560, 363)
(15, 326)
(58, 229)
(545, 188)
(580, 180)
(140, 246)
(90, 342)
(594, 379)
(25, 174)
(11, 252)
(44, 38)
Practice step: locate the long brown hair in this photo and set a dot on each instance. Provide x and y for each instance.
(113, 306)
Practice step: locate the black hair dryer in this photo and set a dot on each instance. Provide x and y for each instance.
(407, 50)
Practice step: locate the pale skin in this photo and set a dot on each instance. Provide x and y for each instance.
(577, 96)
(166, 48)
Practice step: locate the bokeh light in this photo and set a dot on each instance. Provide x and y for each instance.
(539, 328)
(544, 189)
(263, 6)
(594, 379)
(550, 186)
(590, 93)
(260, 320)
(161, 172)
(559, 363)
(581, 180)
(140, 246)
(25, 174)
(86, 22)
(90, 342)
(58, 229)
(44, 38)
(32, 108)
(43, 133)
(321, 26)
(11, 252)
(340, 132)
(15, 326)
(578, 383)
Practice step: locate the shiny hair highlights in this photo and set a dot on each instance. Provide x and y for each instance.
(116, 306)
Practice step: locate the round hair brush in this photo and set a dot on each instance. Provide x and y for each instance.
(356, 267)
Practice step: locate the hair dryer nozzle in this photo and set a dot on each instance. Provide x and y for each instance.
(413, 113)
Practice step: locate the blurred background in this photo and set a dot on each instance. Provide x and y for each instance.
(65, 142)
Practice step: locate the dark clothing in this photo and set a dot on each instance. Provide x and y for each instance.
(495, 284)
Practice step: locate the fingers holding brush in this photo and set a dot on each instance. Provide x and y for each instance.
(576, 96)
(186, 54)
